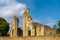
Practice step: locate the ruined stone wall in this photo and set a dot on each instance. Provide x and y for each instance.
(49, 31)
(43, 30)
(39, 29)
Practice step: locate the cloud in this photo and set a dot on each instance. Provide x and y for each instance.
(10, 8)
(48, 19)
(51, 21)
(36, 20)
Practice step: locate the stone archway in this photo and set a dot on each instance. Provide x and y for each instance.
(29, 31)
(27, 22)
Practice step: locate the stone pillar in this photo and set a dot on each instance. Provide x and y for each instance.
(42, 30)
(13, 32)
(38, 30)
(24, 25)
(32, 30)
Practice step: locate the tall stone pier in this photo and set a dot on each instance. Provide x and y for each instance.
(27, 24)
(13, 32)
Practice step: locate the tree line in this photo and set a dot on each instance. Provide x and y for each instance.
(57, 27)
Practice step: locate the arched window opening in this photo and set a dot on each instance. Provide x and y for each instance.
(35, 30)
(29, 31)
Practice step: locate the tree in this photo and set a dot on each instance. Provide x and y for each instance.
(59, 23)
(20, 32)
(58, 29)
(4, 27)
(54, 27)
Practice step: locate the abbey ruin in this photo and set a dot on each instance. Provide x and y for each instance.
(36, 29)
(31, 30)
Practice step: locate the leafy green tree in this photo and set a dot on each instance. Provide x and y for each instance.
(59, 23)
(20, 32)
(54, 27)
(58, 29)
(4, 27)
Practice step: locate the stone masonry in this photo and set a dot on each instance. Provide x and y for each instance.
(13, 32)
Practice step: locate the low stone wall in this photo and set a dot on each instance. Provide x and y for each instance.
(30, 38)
